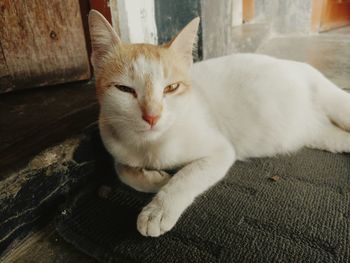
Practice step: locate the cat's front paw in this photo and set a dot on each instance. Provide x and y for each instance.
(156, 218)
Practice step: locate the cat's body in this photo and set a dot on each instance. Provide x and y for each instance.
(262, 105)
(221, 110)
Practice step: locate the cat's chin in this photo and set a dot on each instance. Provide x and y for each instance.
(150, 134)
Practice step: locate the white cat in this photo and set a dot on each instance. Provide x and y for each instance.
(158, 113)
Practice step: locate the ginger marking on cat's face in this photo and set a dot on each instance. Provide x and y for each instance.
(145, 71)
(151, 107)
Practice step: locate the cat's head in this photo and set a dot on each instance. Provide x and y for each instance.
(143, 89)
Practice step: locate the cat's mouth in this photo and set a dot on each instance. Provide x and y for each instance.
(150, 133)
(150, 129)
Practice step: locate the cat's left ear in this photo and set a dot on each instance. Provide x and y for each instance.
(184, 42)
(103, 38)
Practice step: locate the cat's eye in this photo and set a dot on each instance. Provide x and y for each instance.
(126, 89)
(171, 88)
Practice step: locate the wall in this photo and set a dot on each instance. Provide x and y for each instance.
(136, 20)
(172, 16)
(285, 17)
(223, 32)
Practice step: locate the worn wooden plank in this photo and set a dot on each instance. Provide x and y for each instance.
(31, 121)
(248, 10)
(336, 13)
(30, 196)
(5, 78)
(43, 42)
(103, 7)
(3, 68)
(45, 246)
(329, 14)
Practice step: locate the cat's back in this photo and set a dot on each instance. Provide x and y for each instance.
(253, 99)
(240, 67)
(233, 60)
(237, 74)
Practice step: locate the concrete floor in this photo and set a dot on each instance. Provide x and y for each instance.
(328, 52)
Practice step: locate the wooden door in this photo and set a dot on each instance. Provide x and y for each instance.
(42, 42)
(248, 10)
(330, 14)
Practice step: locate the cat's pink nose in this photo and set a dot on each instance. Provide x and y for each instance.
(152, 120)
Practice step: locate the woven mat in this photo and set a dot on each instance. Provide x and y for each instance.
(287, 209)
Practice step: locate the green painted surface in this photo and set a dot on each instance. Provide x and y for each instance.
(172, 16)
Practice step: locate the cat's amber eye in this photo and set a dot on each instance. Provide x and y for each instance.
(126, 89)
(171, 88)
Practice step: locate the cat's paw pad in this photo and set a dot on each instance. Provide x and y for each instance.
(154, 220)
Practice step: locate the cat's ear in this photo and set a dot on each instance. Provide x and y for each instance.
(103, 38)
(184, 42)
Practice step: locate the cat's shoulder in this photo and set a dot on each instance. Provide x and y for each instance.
(236, 58)
(247, 62)
(234, 63)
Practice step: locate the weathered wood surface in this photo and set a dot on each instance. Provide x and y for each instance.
(329, 14)
(248, 10)
(43, 42)
(5, 78)
(3, 68)
(34, 120)
(45, 246)
(336, 13)
(32, 195)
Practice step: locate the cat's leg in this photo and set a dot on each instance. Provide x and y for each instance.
(148, 181)
(334, 101)
(331, 138)
(161, 214)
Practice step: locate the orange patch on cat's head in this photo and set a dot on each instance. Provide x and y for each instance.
(148, 105)
(113, 59)
(122, 61)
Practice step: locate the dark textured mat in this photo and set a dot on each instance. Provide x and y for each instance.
(289, 209)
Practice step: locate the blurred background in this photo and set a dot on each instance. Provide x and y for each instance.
(47, 99)
(47, 42)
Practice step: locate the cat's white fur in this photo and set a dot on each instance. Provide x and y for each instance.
(240, 106)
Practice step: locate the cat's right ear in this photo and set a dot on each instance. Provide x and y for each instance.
(185, 40)
(103, 38)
